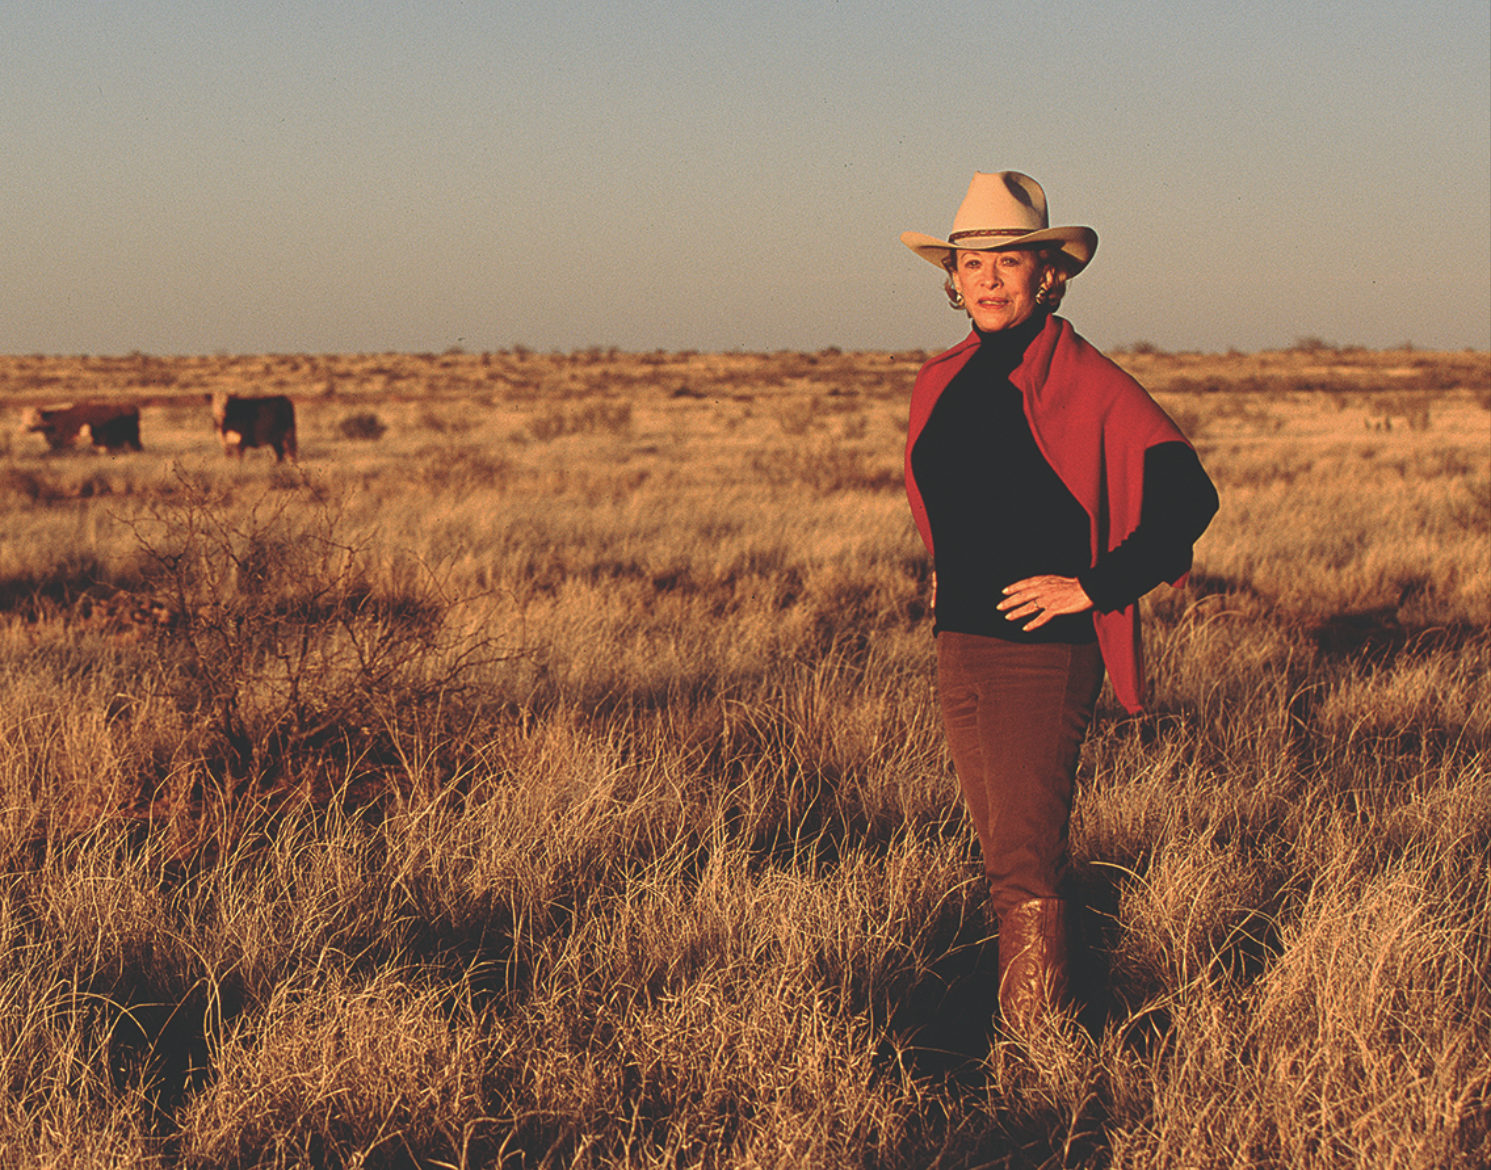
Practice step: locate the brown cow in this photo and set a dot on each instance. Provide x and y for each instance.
(106, 426)
(255, 422)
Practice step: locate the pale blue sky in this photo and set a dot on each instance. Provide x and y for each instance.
(337, 176)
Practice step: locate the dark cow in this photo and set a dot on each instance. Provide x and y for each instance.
(105, 426)
(255, 422)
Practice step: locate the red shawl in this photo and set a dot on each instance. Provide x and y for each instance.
(1093, 423)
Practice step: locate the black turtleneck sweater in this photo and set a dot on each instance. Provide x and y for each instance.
(999, 513)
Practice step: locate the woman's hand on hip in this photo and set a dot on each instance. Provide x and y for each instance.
(1042, 598)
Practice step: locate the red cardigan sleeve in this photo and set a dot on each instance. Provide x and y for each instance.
(931, 380)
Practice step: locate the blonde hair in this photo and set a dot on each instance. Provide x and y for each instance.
(1054, 260)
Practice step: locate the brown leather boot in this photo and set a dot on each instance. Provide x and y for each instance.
(1033, 981)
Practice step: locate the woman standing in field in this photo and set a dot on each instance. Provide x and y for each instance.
(1052, 493)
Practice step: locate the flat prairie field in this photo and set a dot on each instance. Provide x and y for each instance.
(545, 771)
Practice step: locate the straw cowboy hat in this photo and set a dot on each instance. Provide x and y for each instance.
(1004, 210)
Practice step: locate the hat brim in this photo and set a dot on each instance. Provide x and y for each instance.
(1077, 244)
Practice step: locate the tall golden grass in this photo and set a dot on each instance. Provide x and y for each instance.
(546, 773)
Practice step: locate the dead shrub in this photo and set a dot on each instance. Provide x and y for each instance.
(289, 638)
(362, 425)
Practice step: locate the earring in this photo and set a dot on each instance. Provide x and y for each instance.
(955, 299)
(1041, 294)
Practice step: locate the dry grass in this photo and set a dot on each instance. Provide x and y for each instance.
(546, 773)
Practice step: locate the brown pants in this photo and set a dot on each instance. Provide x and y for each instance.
(1015, 715)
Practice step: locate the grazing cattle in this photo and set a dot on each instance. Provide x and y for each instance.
(255, 422)
(105, 426)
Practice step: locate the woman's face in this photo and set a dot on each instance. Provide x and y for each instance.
(998, 288)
